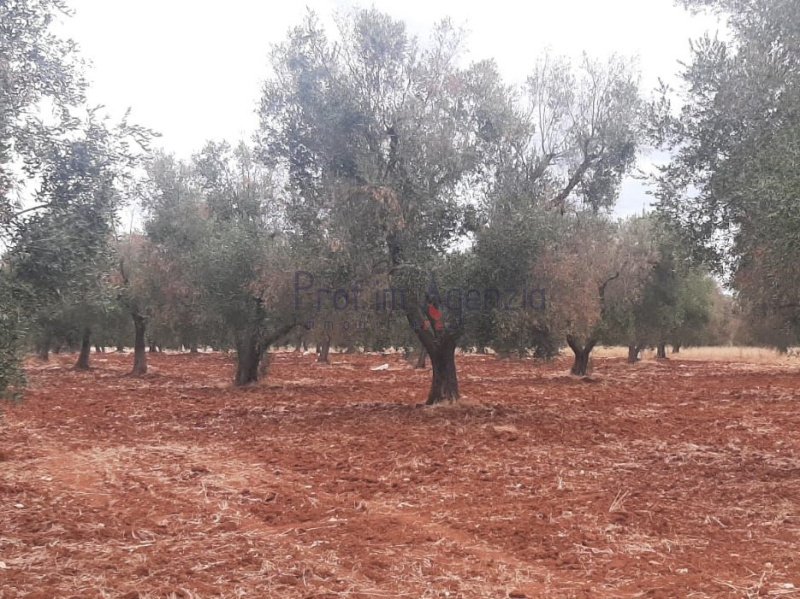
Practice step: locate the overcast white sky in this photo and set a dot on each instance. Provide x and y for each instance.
(192, 69)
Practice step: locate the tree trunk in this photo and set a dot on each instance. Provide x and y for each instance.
(440, 344)
(323, 349)
(661, 353)
(248, 358)
(44, 349)
(633, 354)
(86, 350)
(98, 349)
(676, 348)
(580, 366)
(120, 348)
(153, 347)
(421, 358)
(444, 386)
(250, 351)
(193, 349)
(430, 326)
(139, 346)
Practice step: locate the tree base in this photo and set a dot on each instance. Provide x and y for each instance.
(444, 385)
(86, 350)
(581, 365)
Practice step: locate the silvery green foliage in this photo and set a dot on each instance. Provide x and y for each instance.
(35, 66)
(370, 107)
(733, 184)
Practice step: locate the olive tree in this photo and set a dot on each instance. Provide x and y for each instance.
(732, 182)
(381, 127)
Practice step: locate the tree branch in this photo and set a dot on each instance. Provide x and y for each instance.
(16, 215)
(576, 178)
(602, 288)
(272, 338)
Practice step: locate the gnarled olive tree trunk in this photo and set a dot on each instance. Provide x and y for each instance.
(580, 365)
(661, 352)
(426, 318)
(444, 384)
(251, 346)
(323, 350)
(440, 344)
(86, 350)
(634, 352)
(249, 352)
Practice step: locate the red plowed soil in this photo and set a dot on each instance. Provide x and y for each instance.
(675, 479)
